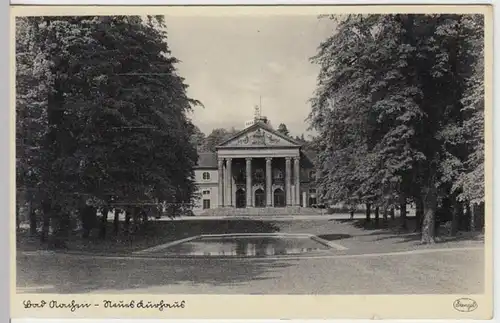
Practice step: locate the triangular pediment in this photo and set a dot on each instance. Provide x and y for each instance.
(258, 135)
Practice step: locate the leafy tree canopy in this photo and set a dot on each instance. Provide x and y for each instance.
(396, 101)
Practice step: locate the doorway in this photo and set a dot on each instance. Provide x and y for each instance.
(260, 198)
(279, 198)
(241, 199)
(312, 201)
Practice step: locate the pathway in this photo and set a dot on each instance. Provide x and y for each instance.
(374, 262)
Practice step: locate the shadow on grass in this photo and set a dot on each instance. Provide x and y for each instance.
(334, 236)
(68, 274)
(381, 224)
(155, 233)
(394, 230)
(445, 238)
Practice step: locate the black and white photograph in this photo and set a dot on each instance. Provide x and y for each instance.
(321, 154)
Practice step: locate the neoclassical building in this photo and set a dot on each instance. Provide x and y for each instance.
(256, 168)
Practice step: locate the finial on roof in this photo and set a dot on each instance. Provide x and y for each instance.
(257, 112)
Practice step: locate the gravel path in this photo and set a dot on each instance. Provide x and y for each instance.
(444, 271)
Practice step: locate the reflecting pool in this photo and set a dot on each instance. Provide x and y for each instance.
(246, 246)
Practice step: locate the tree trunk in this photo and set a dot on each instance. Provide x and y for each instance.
(88, 216)
(85, 233)
(145, 217)
(352, 215)
(419, 214)
(62, 229)
(473, 218)
(430, 205)
(116, 222)
(104, 223)
(18, 217)
(456, 216)
(385, 214)
(393, 214)
(479, 215)
(126, 225)
(467, 218)
(46, 209)
(402, 214)
(135, 218)
(33, 222)
(377, 215)
(368, 212)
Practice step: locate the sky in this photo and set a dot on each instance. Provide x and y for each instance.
(229, 62)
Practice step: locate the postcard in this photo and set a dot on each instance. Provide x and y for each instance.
(258, 162)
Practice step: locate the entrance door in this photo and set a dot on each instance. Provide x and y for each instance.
(279, 198)
(260, 198)
(241, 199)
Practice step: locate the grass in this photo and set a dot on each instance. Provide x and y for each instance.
(455, 272)
(156, 232)
(394, 225)
(356, 234)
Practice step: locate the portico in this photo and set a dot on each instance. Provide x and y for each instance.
(259, 179)
(256, 168)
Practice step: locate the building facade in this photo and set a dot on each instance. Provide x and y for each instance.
(256, 168)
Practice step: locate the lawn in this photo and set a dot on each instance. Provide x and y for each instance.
(454, 271)
(157, 232)
(356, 235)
(371, 264)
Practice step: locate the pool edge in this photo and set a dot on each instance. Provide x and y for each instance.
(313, 237)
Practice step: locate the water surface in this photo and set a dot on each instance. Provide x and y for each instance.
(246, 246)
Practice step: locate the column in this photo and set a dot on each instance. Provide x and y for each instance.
(249, 181)
(288, 181)
(221, 181)
(296, 164)
(268, 181)
(229, 182)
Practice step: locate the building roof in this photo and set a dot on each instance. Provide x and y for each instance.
(207, 160)
(310, 157)
(256, 125)
(309, 153)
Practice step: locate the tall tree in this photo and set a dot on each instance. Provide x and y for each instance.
(470, 182)
(33, 83)
(116, 109)
(396, 98)
(145, 106)
(216, 137)
(282, 128)
(197, 138)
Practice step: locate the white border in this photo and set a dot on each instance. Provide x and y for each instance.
(255, 2)
(496, 148)
(5, 139)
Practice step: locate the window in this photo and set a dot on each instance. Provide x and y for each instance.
(207, 192)
(312, 191)
(206, 204)
(206, 176)
(259, 174)
(312, 175)
(278, 174)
